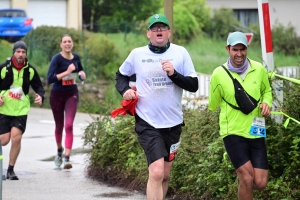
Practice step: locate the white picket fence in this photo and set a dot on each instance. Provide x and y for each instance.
(200, 97)
(290, 71)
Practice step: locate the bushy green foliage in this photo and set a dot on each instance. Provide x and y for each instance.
(285, 39)
(185, 25)
(199, 9)
(221, 23)
(117, 12)
(114, 148)
(102, 56)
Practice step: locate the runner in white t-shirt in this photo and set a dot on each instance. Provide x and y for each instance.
(162, 71)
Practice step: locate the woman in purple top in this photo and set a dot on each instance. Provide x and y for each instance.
(64, 69)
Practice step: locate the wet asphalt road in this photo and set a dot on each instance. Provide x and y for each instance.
(40, 179)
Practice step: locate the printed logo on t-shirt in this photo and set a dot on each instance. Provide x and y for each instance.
(160, 85)
(161, 82)
(150, 60)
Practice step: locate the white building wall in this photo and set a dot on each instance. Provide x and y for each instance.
(53, 14)
(285, 11)
(4, 4)
(237, 4)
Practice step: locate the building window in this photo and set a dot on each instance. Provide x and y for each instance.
(247, 16)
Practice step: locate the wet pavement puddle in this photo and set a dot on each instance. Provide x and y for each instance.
(114, 194)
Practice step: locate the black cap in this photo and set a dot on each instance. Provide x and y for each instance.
(20, 45)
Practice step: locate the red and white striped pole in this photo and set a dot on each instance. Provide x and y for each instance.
(267, 52)
(265, 33)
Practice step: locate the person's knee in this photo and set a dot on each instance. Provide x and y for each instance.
(260, 184)
(4, 141)
(246, 179)
(16, 137)
(69, 128)
(156, 172)
(5, 138)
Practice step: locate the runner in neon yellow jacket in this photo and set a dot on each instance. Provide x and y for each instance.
(256, 83)
(243, 134)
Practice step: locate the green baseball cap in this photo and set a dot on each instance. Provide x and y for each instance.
(158, 18)
(237, 38)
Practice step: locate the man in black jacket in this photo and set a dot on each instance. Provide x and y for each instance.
(16, 76)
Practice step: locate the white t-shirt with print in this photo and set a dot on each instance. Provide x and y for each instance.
(159, 101)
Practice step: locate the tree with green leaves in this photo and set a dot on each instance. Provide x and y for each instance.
(118, 11)
(198, 8)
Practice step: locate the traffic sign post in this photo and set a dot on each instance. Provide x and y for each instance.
(249, 37)
(267, 53)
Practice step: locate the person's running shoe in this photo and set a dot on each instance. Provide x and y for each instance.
(67, 164)
(58, 158)
(11, 175)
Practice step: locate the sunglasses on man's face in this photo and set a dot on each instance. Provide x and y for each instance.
(161, 28)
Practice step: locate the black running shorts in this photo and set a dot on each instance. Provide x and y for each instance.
(240, 150)
(157, 142)
(7, 122)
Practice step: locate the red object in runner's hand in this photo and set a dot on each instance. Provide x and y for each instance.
(128, 107)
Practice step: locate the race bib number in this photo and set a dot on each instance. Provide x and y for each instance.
(173, 150)
(258, 127)
(16, 93)
(69, 79)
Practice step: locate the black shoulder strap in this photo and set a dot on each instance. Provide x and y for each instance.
(227, 72)
(231, 105)
(233, 81)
